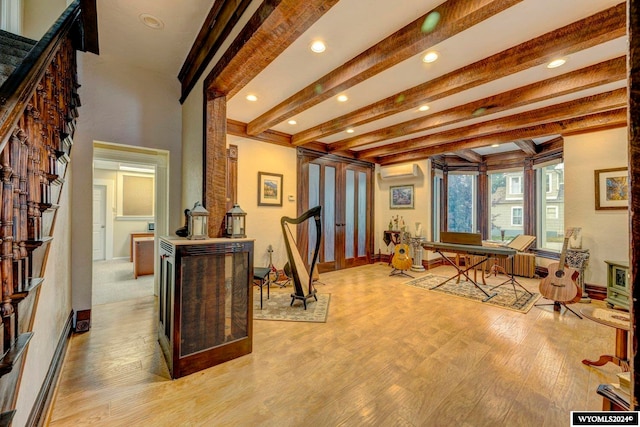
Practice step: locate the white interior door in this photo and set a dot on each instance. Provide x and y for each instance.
(99, 221)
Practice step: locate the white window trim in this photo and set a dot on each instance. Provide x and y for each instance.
(553, 215)
(549, 182)
(511, 195)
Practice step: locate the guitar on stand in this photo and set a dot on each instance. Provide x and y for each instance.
(273, 271)
(560, 285)
(401, 260)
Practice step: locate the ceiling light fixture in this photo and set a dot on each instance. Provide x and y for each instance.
(423, 108)
(292, 122)
(495, 145)
(318, 46)
(350, 130)
(252, 98)
(430, 57)
(556, 63)
(342, 98)
(151, 21)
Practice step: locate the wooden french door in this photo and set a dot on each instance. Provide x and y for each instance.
(344, 190)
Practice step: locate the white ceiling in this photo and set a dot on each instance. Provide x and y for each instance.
(349, 28)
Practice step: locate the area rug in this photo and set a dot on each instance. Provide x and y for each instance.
(519, 301)
(278, 307)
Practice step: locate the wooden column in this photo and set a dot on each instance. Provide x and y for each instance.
(215, 162)
(483, 199)
(232, 176)
(444, 219)
(633, 69)
(529, 202)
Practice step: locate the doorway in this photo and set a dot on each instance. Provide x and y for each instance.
(130, 199)
(343, 188)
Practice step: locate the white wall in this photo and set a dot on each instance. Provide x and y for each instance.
(39, 16)
(122, 105)
(605, 232)
(420, 213)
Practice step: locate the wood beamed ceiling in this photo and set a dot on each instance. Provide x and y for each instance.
(507, 96)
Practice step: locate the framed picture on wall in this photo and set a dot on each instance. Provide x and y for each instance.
(612, 188)
(401, 197)
(269, 189)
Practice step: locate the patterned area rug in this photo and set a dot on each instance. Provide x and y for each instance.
(277, 308)
(505, 298)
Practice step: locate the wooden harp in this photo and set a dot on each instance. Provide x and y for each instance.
(300, 274)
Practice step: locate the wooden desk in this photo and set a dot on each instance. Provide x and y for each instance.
(143, 259)
(133, 236)
(619, 320)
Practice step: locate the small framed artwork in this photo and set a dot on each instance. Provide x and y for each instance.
(269, 189)
(401, 197)
(612, 188)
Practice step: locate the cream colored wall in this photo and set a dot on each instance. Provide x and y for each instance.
(605, 232)
(40, 15)
(420, 213)
(263, 222)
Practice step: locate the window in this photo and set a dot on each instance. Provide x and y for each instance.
(461, 203)
(550, 200)
(516, 215)
(514, 186)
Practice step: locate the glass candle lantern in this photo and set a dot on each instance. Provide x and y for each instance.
(235, 222)
(198, 219)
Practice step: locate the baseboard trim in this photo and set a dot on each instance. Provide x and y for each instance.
(40, 408)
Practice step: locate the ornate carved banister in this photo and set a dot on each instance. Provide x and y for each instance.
(20, 85)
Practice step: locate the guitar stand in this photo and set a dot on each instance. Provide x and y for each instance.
(396, 272)
(557, 307)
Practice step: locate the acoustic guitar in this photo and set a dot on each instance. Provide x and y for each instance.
(401, 259)
(560, 284)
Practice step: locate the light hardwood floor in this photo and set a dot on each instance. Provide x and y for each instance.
(388, 355)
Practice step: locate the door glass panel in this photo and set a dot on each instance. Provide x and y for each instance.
(349, 214)
(314, 200)
(362, 214)
(329, 209)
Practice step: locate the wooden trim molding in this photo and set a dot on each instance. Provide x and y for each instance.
(41, 405)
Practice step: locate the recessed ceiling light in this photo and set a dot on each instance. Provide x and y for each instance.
(318, 46)
(423, 108)
(430, 56)
(151, 21)
(252, 98)
(342, 98)
(495, 145)
(292, 122)
(556, 63)
(350, 130)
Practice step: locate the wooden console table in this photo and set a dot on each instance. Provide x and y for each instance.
(622, 324)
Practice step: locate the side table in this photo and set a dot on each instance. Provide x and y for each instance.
(619, 320)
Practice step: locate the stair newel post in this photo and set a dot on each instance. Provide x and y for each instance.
(15, 183)
(6, 251)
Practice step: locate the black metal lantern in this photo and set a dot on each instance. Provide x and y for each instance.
(235, 222)
(197, 222)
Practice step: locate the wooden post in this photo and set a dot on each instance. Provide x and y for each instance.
(633, 69)
(215, 162)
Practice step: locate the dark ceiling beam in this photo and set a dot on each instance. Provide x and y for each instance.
(591, 31)
(606, 72)
(222, 17)
(576, 108)
(585, 124)
(90, 26)
(526, 145)
(272, 28)
(469, 155)
(455, 16)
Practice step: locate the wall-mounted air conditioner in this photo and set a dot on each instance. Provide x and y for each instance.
(406, 170)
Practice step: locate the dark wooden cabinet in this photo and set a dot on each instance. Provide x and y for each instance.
(206, 303)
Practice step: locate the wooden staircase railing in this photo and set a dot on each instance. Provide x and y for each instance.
(38, 111)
